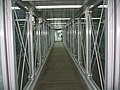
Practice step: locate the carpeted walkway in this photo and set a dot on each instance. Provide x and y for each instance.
(59, 72)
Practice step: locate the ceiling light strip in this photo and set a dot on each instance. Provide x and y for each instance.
(58, 19)
(58, 6)
(58, 23)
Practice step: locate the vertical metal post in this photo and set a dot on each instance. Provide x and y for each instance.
(30, 44)
(43, 39)
(73, 37)
(53, 37)
(88, 43)
(117, 59)
(46, 38)
(7, 36)
(111, 45)
(39, 60)
(79, 43)
(49, 36)
(46, 33)
(72, 27)
(68, 38)
(3, 58)
(65, 37)
(42, 43)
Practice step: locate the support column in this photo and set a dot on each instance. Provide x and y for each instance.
(68, 36)
(43, 32)
(79, 42)
(7, 46)
(110, 46)
(30, 44)
(88, 42)
(73, 37)
(39, 35)
(3, 58)
(117, 59)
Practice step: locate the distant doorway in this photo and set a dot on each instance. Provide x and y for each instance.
(58, 35)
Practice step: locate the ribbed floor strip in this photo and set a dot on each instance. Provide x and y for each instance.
(59, 72)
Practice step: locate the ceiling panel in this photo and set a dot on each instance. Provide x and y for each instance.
(59, 2)
(57, 13)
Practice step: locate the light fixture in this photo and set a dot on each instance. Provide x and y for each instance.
(91, 6)
(26, 7)
(15, 8)
(58, 6)
(58, 23)
(91, 18)
(58, 19)
(20, 20)
(101, 6)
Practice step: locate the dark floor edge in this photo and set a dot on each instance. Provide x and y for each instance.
(32, 83)
(90, 84)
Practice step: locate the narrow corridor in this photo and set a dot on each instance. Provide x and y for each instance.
(59, 72)
(59, 45)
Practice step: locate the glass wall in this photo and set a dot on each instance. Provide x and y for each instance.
(33, 40)
(85, 40)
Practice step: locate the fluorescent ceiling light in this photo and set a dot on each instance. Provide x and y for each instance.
(24, 19)
(20, 20)
(91, 6)
(101, 6)
(57, 23)
(91, 18)
(58, 19)
(26, 7)
(15, 8)
(58, 6)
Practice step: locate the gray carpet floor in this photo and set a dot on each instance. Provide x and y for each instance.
(59, 72)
